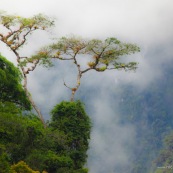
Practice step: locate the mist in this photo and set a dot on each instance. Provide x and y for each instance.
(145, 23)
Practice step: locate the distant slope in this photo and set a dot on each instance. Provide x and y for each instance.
(150, 111)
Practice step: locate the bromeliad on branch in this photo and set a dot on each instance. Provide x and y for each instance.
(105, 55)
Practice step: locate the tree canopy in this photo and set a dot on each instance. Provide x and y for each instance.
(59, 148)
(71, 119)
(101, 55)
(11, 89)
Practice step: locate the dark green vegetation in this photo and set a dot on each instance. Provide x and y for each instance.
(77, 138)
(59, 148)
(10, 87)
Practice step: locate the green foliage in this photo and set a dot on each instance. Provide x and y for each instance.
(52, 149)
(71, 119)
(4, 160)
(48, 160)
(10, 85)
(22, 136)
(9, 107)
(13, 135)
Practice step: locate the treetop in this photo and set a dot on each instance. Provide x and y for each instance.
(105, 54)
(17, 28)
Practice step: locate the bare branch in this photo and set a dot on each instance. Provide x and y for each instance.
(66, 85)
(86, 70)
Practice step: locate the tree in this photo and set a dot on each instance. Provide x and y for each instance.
(71, 119)
(103, 55)
(16, 30)
(11, 89)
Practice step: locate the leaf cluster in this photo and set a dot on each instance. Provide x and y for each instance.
(11, 89)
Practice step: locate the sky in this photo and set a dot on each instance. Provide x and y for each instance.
(143, 22)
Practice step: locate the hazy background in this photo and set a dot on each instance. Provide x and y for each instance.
(147, 23)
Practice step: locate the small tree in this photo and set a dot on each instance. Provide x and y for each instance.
(15, 32)
(71, 119)
(103, 55)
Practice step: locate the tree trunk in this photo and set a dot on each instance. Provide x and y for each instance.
(32, 101)
(72, 95)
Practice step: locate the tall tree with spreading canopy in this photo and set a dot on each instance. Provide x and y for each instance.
(102, 55)
(14, 33)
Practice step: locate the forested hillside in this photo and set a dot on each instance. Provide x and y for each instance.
(150, 112)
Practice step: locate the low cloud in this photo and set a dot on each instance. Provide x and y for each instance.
(144, 22)
(110, 141)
